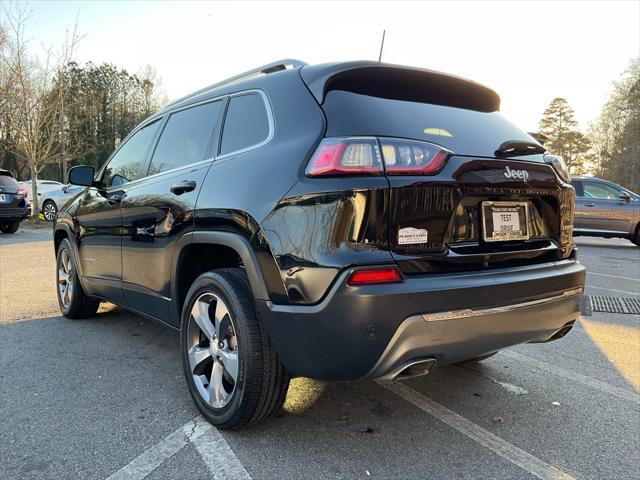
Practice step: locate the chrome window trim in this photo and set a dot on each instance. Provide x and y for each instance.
(270, 118)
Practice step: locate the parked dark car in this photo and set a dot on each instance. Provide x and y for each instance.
(604, 209)
(340, 221)
(13, 203)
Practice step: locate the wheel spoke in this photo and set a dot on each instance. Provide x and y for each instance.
(217, 392)
(197, 355)
(221, 313)
(200, 313)
(230, 361)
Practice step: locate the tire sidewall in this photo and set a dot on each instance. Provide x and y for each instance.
(65, 245)
(218, 285)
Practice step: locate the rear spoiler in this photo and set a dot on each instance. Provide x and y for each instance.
(398, 82)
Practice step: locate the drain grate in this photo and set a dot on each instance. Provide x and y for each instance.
(600, 303)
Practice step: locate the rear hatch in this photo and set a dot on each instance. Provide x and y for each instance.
(481, 206)
(10, 200)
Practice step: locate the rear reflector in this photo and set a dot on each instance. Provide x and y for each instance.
(369, 277)
(361, 156)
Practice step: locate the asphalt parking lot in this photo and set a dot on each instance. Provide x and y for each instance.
(105, 398)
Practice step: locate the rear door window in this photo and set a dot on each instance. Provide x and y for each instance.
(246, 123)
(186, 137)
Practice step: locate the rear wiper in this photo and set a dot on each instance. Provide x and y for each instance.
(513, 148)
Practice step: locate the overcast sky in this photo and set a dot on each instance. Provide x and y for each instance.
(529, 52)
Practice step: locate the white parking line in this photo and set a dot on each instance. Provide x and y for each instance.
(574, 376)
(214, 450)
(612, 290)
(589, 272)
(506, 450)
(151, 458)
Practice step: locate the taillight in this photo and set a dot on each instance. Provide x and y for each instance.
(374, 276)
(410, 157)
(362, 156)
(22, 191)
(346, 156)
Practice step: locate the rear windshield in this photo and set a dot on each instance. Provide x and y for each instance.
(7, 181)
(464, 132)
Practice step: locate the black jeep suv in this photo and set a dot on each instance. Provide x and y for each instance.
(340, 221)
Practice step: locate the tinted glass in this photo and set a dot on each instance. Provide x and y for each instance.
(246, 123)
(465, 132)
(185, 138)
(600, 190)
(125, 166)
(7, 181)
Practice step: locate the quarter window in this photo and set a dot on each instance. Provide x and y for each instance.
(246, 123)
(185, 138)
(126, 164)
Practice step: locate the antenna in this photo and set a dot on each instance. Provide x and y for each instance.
(381, 46)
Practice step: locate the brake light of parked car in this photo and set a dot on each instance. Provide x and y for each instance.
(346, 156)
(374, 276)
(362, 156)
(410, 157)
(22, 191)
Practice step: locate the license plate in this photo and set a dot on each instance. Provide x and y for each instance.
(504, 221)
(3, 198)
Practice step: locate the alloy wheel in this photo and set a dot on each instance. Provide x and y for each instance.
(65, 278)
(212, 350)
(49, 211)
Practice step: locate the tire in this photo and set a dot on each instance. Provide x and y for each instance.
(477, 359)
(49, 210)
(11, 227)
(221, 301)
(636, 237)
(72, 300)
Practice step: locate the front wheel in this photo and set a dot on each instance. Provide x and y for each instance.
(232, 372)
(49, 210)
(636, 237)
(11, 227)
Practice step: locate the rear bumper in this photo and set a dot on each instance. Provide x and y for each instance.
(372, 331)
(13, 214)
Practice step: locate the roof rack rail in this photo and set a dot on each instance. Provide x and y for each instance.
(263, 70)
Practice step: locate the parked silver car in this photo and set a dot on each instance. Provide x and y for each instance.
(604, 209)
(51, 201)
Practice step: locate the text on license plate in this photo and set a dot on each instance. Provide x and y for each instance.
(503, 221)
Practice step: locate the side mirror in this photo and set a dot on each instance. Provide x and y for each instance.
(625, 198)
(81, 175)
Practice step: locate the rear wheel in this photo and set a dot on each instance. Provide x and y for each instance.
(49, 210)
(72, 300)
(11, 227)
(232, 372)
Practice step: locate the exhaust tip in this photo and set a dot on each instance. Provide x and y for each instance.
(415, 368)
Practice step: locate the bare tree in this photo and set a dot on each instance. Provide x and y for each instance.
(35, 102)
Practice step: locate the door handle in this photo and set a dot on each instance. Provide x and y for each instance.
(589, 204)
(182, 187)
